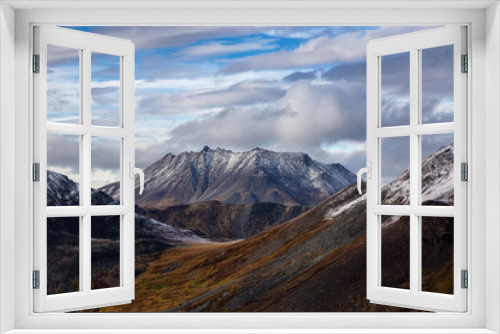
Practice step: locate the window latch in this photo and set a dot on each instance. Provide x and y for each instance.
(368, 171)
(134, 170)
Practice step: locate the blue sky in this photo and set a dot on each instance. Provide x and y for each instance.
(280, 88)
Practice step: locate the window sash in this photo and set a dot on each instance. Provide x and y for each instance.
(413, 43)
(86, 297)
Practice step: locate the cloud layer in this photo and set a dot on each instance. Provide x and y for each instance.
(281, 88)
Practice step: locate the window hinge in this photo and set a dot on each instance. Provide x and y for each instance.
(36, 172)
(464, 171)
(36, 63)
(465, 279)
(465, 64)
(36, 279)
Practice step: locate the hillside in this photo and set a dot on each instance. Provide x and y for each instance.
(315, 262)
(250, 177)
(220, 221)
(151, 237)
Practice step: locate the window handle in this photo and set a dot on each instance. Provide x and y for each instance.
(135, 170)
(368, 171)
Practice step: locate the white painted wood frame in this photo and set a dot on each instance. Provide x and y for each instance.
(482, 18)
(86, 43)
(413, 43)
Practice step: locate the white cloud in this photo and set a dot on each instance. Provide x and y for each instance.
(148, 151)
(206, 81)
(57, 55)
(165, 37)
(319, 51)
(244, 93)
(219, 49)
(63, 155)
(63, 93)
(306, 118)
(102, 177)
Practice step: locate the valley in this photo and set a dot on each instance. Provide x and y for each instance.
(212, 256)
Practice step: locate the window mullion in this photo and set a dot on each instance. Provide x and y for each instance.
(86, 151)
(414, 172)
(85, 254)
(85, 189)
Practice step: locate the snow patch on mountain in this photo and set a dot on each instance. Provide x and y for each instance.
(336, 211)
(167, 232)
(437, 184)
(62, 191)
(437, 176)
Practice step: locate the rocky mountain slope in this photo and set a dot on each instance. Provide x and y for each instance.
(221, 221)
(314, 262)
(437, 168)
(63, 191)
(151, 235)
(239, 178)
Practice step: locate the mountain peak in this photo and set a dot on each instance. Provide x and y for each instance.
(307, 159)
(259, 175)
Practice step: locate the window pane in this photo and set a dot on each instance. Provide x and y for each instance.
(396, 252)
(395, 92)
(395, 170)
(105, 169)
(437, 84)
(63, 85)
(437, 254)
(105, 89)
(105, 232)
(63, 170)
(63, 255)
(437, 169)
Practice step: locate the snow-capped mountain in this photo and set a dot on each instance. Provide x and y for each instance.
(62, 191)
(249, 177)
(437, 169)
(437, 185)
(315, 262)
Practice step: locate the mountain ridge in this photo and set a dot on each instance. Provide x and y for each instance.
(258, 175)
(315, 262)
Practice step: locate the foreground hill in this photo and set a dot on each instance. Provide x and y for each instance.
(239, 178)
(315, 262)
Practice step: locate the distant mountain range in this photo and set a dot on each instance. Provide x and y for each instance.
(315, 262)
(63, 192)
(195, 223)
(250, 177)
(151, 237)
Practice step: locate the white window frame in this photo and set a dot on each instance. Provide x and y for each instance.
(85, 44)
(414, 43)
(483, 100)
